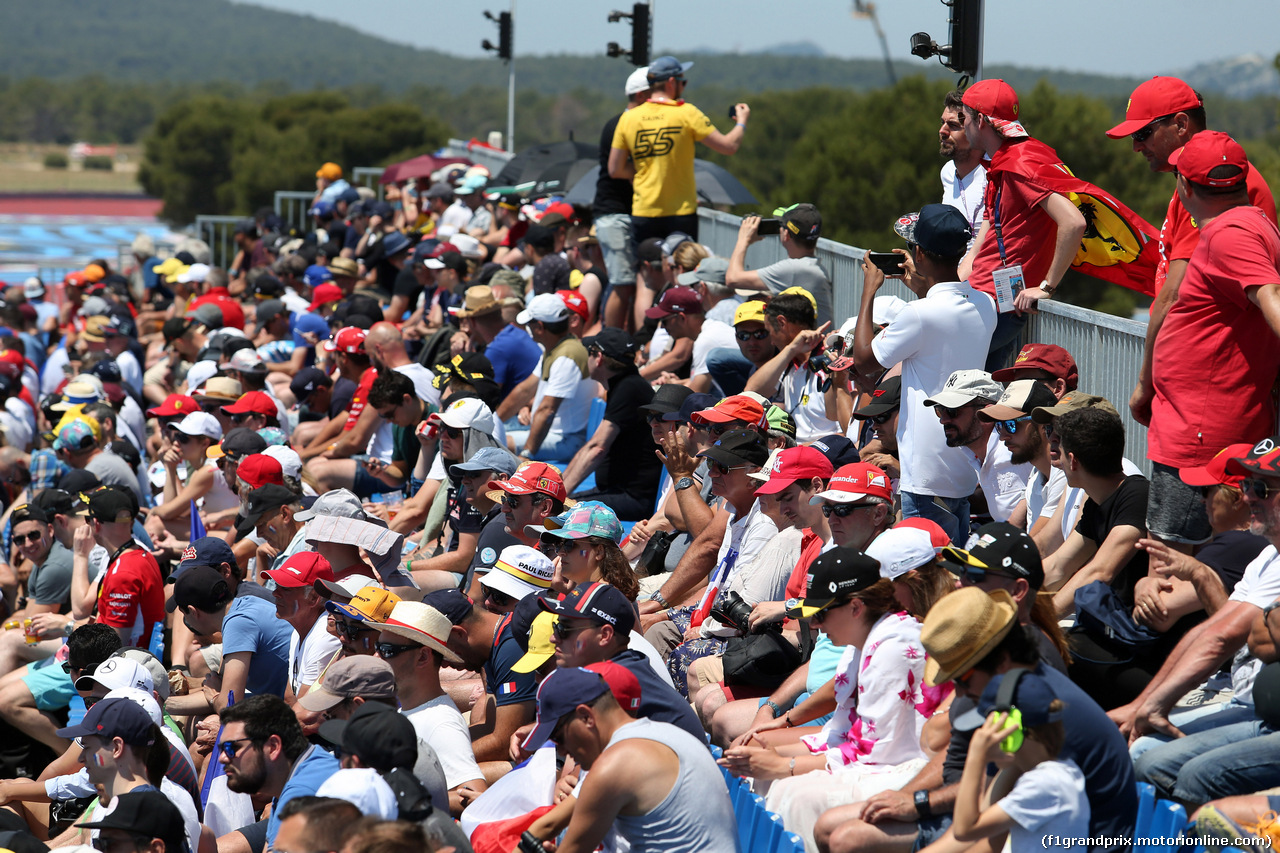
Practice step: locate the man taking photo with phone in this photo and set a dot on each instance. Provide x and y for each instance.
(798, 228)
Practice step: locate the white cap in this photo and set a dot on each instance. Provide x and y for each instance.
(200, 373)
(245, 360)
(364, 788)
(964, 387)
(901, 549)
(195, 272)
(885, 308)
(467, 246)
(33, 288)
(520, 571)
(200, 423)
(146, 700)
(467, 413)
(290, 461)
(545, 308)
(114, 673)
(638, 81)
(346, 588)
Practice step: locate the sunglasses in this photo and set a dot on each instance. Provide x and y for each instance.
(716, 468)
(499, 598)
(80, 671)
(560, 632)
(241, 417)
(557, 734)
(453, 432)
(821, 616)
(653, 418)
(183, 438)
(348, 629)
(721, 429)
(1260, 489)
(758, 335)
(229, 748)
(842, 510)
(555, 545)
(32, 538)
(881, 420)
(387, 651)
(1145, 133)
(1009, 427)
(953, 413)
(511, 502)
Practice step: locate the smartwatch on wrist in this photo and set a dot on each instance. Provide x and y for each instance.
(923, 811)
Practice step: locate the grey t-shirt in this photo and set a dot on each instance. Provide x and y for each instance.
(112, 470)
(50, 582)
(800, 272)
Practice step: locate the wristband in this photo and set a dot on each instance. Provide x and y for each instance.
(777, 709)
(787, 720)
(923, 810)
(793, 766)
(742, 125)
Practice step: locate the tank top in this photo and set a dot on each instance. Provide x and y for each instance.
(219, 497)
(696, 816)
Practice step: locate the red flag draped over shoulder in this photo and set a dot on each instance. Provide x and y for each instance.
(1119, 246)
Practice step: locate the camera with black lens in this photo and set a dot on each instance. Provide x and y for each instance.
(731, 610)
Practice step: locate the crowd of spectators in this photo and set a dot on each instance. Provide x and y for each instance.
(464, 520)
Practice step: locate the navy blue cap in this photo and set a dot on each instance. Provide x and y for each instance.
(666, 67)
(692, 403)
(395, 243)
(838, 449)
(115, 717)
(451, 603)
(106, 370)
(1031, 697)
(349, 195)
(209, 551)
(942, 230)
(527, 609)
(560, 693)
(307, 380)
(322, 209)
(597, 601)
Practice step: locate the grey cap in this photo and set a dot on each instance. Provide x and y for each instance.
(487, 459)
(339, 503)
(95, 306)
(439, 191)
(710, 270)
(152, 664)
(208, 315)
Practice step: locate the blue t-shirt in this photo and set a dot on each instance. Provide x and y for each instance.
(314, 324)
(507, 687)
(251, 626)
(514, 355)
(313, 768)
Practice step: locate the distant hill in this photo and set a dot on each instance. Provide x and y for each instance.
(198, 41)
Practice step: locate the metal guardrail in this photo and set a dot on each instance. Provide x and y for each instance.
(1107, 349)
(367, 176)
(292, 207)
(217, 231)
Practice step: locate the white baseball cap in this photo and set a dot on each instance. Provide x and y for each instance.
(520, 571)
(545, 308)
(638, 81)
(33, 288)
(114, 673)
(200, 373)
(195, 272)
(200, 423)
(901, 549)
(964, 387)
(467, 413)
(290, 461)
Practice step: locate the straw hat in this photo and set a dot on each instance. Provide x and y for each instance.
(479, 300)
(962, 629)
(423, 624)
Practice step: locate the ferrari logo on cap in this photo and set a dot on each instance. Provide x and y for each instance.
(877, 480)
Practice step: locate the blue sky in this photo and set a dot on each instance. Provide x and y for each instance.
(1133, 37)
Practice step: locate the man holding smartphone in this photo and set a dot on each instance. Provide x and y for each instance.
(798, 228)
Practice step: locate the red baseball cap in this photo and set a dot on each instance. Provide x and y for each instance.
(258, 469)
(937, 536)
(577, 303)
(324, 294)
(855, 481)
(75, 279)
(444, 248)
(561, 207)
(675, 300)
(302, 569)
(795, 463)
(1206, 151)
(1214, 472)
(996, 100)
(350, 339)
(622, 682)
(175, 405)
(534, 477)
(739, 407)
(255, 402)
(1156, 98)
(1050, 358)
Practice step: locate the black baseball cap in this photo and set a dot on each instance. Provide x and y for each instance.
(838, 449)
(1000, 549)
(739, 447)
(202, 587)
(55, 502)
(1263, 459)
(79, 480)
(268, 287)
(802, 220)
(886, 397)
(268, 310)
(147, 813)
(613, 342)
(262, 501)
(176, 327)
(668, 399)
(692, 403)
(836, 574)
(307, 380)
(28, 512)
(378, 734)
(241, 442)
(540, 237)
(451, 603)
(110, 505)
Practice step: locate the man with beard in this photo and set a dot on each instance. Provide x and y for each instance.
(1027, 444)
(264, 753)
(956, 406)
(964, 178)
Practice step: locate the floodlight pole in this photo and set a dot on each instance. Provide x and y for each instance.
(511, 86)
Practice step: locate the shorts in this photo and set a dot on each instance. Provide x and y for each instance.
(1175, 511)
(213, 657)
(365, 485)
(931, 829)
(51, 687)
(646, 227)
(614, 232)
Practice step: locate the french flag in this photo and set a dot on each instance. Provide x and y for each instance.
(507, 689)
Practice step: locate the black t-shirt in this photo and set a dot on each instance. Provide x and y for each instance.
(407, 284)
(630, 465)
(1228, 553)
(493, 538)
(343, 390)
(463, 517)
(612, 194)
(1126, 506)
(551, 274)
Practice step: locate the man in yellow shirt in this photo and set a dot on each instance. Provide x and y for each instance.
(653, 146)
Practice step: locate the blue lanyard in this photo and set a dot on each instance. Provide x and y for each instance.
(995, 221)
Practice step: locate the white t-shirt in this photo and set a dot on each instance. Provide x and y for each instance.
(948, 330)
(317, 649)
(1003, 483)
(661, 342)
(130, 371)
(714, 335)
(439, 724)
(576, 391)
(965, 194)
(422, 382)
(1049, 799)
(1043, 498)
(1260, 586)
(454, 219)
(804, 400)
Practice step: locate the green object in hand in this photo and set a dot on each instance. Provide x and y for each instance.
(1013, 742)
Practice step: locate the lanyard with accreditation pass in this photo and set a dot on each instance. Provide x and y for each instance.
(1007, 277)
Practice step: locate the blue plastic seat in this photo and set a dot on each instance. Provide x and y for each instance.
(1168, 821)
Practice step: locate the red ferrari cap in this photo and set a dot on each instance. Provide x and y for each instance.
(795, 463)
(348, 340)
(739, 407)
(302, 569)
(1214, 472)
(534, 477)
(1208, 150)
(996, 100)
(175, 405)
(1156, 98)
(255, 402)
(576, 302)
(324, 294)
(258, 469)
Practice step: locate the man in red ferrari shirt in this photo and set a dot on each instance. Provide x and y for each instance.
(131, 592)
(1162, 116)
(1030, 232)
(1218, 353)
(212, 283)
